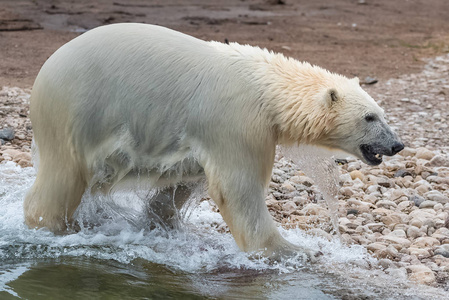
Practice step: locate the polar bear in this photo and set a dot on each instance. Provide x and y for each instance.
(129, 101)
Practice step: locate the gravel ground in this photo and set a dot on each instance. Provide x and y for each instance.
(398, 210)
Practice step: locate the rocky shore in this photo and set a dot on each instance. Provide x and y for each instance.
(398, 210)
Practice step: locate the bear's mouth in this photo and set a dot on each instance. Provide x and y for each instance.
(371, 155)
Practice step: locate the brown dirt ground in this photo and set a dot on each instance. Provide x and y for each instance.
(380, 38)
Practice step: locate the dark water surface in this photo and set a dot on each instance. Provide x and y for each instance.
(81, 278)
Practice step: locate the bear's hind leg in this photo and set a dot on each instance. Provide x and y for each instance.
(54, 196)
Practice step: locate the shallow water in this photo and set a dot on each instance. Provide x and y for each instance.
(121, 258)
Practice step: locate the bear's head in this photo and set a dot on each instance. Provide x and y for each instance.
(357, 123)
(314, 106)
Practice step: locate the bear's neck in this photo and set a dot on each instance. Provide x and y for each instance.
(294, 91)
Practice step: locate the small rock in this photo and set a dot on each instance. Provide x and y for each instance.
(346, 191)
(439, 161)
(7, 134)
(13, 153)
(425, 242)
(354, 166)
(287, 186)
(396, 241)
(437, 179)
(345, 178)
(407, 151)
(423, 214)
(295, 179)
(272, 202)
(352, 212)
(413, 232)
(421, 274)
(314, 209)
(427, 204)
(417, 200)
(418, 252)
(375, 227)
(422, 189)
(385, 182)
(424, 153)
(357, 174)
(373, 247)
(399, 233)
(402, 173)
(300, 200)
(289, 207)
(404, 205)
(386, 204)
(24, 163)
(373, 189)
(305, 181)
(429, 223)
(368, 79)
(443, 231)
(442, 250)
(437, 197)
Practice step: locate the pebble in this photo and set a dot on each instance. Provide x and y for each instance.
(289, 207)
(421, 274)
(413, 232)
(442, 250)
(7, 134)
(417, 200)
(386, 204)
(385, 182)
(402, 173)
(408, 152)
(425, 242)
(357, 174)
(424, 153)
(287, 186)
(314, 209)
(428, 204)
(399, 233)
(396, 241)
(377, 246)
(439, 161)
(418, 252)
(436, 196)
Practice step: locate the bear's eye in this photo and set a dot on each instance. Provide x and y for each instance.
(370, 117)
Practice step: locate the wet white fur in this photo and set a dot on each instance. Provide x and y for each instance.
(130, 100)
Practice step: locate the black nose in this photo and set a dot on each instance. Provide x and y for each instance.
(397, 147)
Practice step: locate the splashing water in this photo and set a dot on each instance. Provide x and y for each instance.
(119, 256)
(319, 164)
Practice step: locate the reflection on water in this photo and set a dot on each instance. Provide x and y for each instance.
(81, 278)
(120, 259)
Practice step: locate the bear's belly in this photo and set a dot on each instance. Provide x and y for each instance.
(118, 161)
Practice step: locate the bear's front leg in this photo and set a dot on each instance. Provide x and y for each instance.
(239, 195)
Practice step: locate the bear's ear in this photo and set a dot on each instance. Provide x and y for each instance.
(332, 96)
